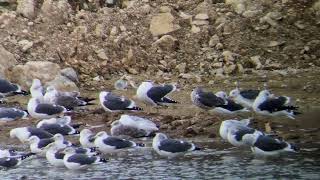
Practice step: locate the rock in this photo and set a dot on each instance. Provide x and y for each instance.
(132, 71)
(26, 8)
(230, 69)
(56, 11)
(7, 60)
(214, 40)
(195, 29)
(98, 32)
(114, 31)
(271, 18)
(275, 43)
(219, 46)
(181, 67)
(63, 83)
(200, 22)
(166, 42)
(165, 9)
(300, 25)
(101, 54)
(251, 13)
(202, 16)
(24, 74)
(70, 73)
(238, 5)
(316, 6)
(162, 24)
(25, 45)
(255, 60)
(228, 56)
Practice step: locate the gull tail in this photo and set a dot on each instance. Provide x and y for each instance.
(76, 126)
(197, 148)
(168, 100)
(103, 160)
(93, 149)
(140, 144)
(26, 156)
(135, 108)
(86, 99)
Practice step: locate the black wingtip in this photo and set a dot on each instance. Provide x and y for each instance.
(140, 144)
(76, 126)
(135, 109)
(22, 92)
(86, 99)
(93, 149)
(296, 112)
(197, 148)
(103, 160)
(27, 155)
(295, 147)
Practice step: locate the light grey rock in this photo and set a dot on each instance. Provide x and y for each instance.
(26, 8)
(7, 60)
(70, 73)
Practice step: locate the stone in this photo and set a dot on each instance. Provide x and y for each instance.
(195, 29)
(70, 73)
(162, 24)
(98, 32)
(238, 5)
(26, 8)
(230, 69)
(202, 16)
(166, 42)
(132, 71)
(101, 54)
(300, 25)
(200, 22)
(56, 11)
(7, 60)
(25, 45)
(316, 6)
(24, 74)
(228, 56)
(165, 9)
(181, 67)
(255, 60)
(62, 83)
(214, 40)
(251, 13)
(114, 31)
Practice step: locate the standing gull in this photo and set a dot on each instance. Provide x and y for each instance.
(112, 103)
(37, 90)
(171, 147)
(75, 161)
(109, 144)
(231, 107)
(206, 100)
(263, 145)
(10, 114)
(87, 138)
(153, 95)
(24, 133)
(43, 110)
(133, 126)
(266, 105)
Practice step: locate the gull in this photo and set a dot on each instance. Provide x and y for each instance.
(8, 88)
(10, 114)
(9, 162)
(230, 107)
(37, 90)
(43, 110)
(24, 133)
(87, 138)
(226, 125)
(206, 100)
(112, 103)
(171, 147)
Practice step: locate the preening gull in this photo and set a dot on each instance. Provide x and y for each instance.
(263, 145)
(75, 161)
(266, 105)
(43, 110)
(87, 138)
(206, 100)
(8, 88)
(133, 126)
(171, 147)
(112, 103)
(229, 124)
(231, 107)
(59, 128)
(24, 133)
(110, 144)
(9, 162)
(37, 90)
(10, 114)
(63, 99)
(153, 95)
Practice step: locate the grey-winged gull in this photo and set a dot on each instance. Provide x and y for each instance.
(69, 101)
(56, 128)
(54, 155)
(75, 161)
(10, 114)
(43, 110)
(7, 153)
(165, 146)
(37, 145)
(263, 145)
(37, 90)
(112, 102)
(24, 133)
(244, 97)
(155, 95)
(9, 162)
(229, 124)
(110, 144)
(60, 142)
(231, 107)
(87, 138)
(206, 100)
(8, 88)
(133, 126)
(265, 104)
(236, 135)
(65, 120)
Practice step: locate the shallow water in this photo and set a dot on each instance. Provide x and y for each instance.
(210, 163)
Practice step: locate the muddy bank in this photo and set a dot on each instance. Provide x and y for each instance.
(186, 120)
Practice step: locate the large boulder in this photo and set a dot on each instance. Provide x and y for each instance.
(7, 60)
(55, 11)
(49, 74)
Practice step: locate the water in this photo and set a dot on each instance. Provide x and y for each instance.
(211, 163)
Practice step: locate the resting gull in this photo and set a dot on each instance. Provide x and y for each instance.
(112, 103)
(155, 95)
(24, 133)
(171, 147)
(133, 126)
(266, 105)
(75, 161)
(43, 110)
(54, 155)
(237, 134)
(56, 128)
(37, 145)
(10, 114)
(231, 107)
(229, 124)
(87, 138)
(8, 88)
(9, 162)
(263, 145)
(110, 144)
(206, 100)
